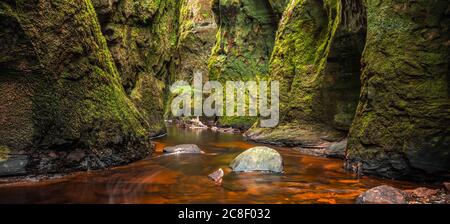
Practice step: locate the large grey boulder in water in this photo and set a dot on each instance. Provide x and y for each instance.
(184, 148)
(259, 158)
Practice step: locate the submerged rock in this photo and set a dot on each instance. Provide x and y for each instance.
(184, 148)
(383, 195)
(259, 158)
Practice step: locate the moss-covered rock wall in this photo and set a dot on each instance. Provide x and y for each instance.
(316, 59)
(142, 37)
(197, 36)
(401, 125)
(243, 46)
(64, 106)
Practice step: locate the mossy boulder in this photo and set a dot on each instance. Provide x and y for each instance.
(61, 91)
(259, 158)
(401, 125)
(316, 58)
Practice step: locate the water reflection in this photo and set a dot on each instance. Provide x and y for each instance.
(183, 178)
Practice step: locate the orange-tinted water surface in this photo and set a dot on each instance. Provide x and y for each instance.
(183, 178)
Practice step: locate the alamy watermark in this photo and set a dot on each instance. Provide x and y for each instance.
(248, 98)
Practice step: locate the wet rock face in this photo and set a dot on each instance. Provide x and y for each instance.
(316, 59)
(12, 164)
(61, 92)
(401, 124)
(278, 6)
(258, 159)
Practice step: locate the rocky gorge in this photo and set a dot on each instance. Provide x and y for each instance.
(84, 84)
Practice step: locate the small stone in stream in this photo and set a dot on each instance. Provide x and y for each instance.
(217, 175)
(383, 195)
(184, 148)
(259, 158)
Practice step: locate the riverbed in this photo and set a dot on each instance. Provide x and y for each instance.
(183, 178)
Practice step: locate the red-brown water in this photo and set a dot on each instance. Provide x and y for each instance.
(183, 178)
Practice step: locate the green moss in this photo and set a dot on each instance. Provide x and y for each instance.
(77, 100)
(244, 43)
(316, 59)
(404, 101)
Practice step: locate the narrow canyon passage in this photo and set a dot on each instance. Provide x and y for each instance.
(183, 178)
(88, 87)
